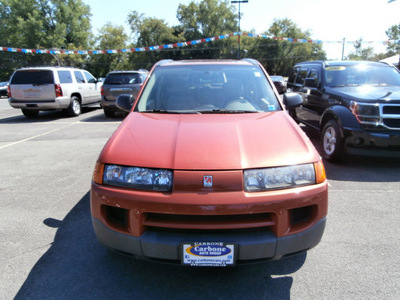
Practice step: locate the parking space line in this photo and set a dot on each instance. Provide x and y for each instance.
(38, 135)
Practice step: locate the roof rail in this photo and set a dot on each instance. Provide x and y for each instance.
(49, 66)
(251, 60)
(162, 62)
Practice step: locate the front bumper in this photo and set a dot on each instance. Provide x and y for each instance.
(250, 247)
(360, 142)
(264, 225)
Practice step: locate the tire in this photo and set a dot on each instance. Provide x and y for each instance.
(74, 108)
(109, 113)
(332, 142)
(30, 113)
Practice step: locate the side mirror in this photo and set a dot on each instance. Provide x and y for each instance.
(125, 102)
(310, 82)
(291, 100)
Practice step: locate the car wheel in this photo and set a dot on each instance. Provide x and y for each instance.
(332, 141)
(30, 113)
(109, 113)
(74, 108)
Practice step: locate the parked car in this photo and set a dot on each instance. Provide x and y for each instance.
(279, 83)
(355, 105)
(34, 89)
(118, 83)
(4, 89)
(208, 169)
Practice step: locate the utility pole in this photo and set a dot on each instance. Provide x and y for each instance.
(398, 65)
(239, 1)
(344, 40)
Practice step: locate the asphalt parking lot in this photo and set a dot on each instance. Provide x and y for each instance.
(49, 251)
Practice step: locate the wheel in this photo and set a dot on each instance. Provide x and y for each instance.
(30, 113)
(109, 113)
(332, 141)
(74, 108)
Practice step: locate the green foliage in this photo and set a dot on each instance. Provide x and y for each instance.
(279, 56)
(65, 24)
(361, 53)
(42, 24)
(204, 19)
(393, 33)
(150, 32)
(110, 38)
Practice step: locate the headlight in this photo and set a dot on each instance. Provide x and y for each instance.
(138, 178)
(279, 178)
(365, 113)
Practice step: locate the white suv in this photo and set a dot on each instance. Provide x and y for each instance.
(34, 89)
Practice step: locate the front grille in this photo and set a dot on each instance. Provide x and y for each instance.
(207, 222)
(392, 123)
(391, 110)
(391, 115)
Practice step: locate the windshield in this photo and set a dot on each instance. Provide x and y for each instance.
(362, 74)
(207, 89)
(123, 78)
(35, 77)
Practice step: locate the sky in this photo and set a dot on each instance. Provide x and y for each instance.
(329, 21)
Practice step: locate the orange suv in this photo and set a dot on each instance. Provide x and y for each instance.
(209, 169)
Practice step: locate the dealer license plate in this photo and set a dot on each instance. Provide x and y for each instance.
(208, 254)
(32, 93)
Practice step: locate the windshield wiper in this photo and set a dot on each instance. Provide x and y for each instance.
(343, 85)
(163, 111)
(226, 111)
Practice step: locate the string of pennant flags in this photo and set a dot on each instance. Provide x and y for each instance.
(185, 44)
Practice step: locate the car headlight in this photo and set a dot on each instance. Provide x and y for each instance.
(365, 113)
(138, 178)
(257, 180)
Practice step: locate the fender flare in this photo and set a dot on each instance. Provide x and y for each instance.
(342, 115)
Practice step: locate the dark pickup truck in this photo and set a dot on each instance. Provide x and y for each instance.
(355, 105)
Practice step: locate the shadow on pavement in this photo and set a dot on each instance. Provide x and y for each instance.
(119, 117)
(44, 116)
(77, 266)
(358, 168)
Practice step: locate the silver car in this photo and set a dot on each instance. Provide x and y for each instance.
(119, 83)
(47, 88)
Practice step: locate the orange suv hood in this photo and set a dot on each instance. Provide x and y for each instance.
(208, 141)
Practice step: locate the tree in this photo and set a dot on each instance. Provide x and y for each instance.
(208, 18)
(150, 32)
(361, 53)
(393, 33)
(43, 24)
(278, 56)
(110, 38)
